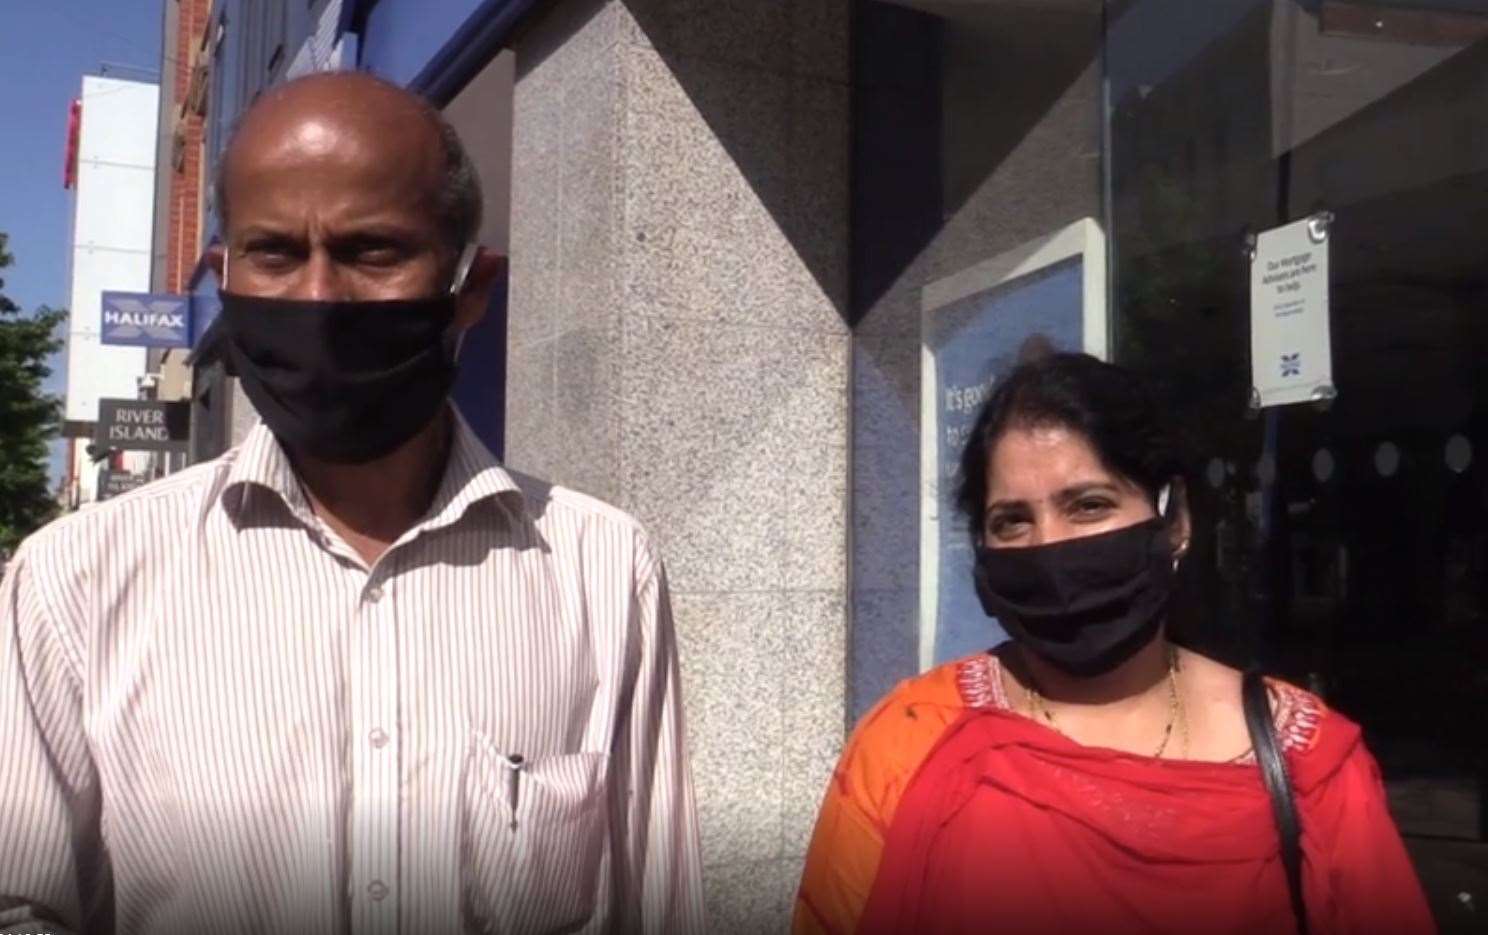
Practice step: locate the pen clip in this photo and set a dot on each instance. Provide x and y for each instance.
(514, 763)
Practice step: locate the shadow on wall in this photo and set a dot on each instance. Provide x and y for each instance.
(969, 129)
(770, 80)
(976, 128)
(945, 95)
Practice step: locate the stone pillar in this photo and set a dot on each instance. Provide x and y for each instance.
(678, 346)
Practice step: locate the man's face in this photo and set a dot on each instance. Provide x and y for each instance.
(330, 206)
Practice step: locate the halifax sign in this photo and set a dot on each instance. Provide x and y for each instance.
(143, 319)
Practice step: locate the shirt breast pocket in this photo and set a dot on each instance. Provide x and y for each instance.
(532, 839)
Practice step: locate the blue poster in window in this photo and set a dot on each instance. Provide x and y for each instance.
(974, 341)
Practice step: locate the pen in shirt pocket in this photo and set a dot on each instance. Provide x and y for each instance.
(514, 763)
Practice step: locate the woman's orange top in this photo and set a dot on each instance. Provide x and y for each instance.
(945, 797)
(881, 758)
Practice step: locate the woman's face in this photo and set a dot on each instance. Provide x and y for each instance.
(1045, 484)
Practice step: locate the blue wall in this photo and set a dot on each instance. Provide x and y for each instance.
(480, 386)
(401, 37)
(433, 46)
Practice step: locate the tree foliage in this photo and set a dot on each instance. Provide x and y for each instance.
(29, 418)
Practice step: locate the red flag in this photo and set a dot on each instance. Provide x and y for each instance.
(74, 131)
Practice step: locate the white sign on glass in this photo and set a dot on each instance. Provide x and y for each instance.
(1291, 352)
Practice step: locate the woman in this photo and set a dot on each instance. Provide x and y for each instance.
(1090, 775)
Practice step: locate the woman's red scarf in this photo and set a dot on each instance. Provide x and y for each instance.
(1009, 827)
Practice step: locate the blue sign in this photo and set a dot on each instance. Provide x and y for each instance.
(143, 319)
(976, 342)
(204, 311)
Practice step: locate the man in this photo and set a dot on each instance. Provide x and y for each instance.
(352, 676)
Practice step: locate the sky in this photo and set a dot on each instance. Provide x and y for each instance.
(46, 46)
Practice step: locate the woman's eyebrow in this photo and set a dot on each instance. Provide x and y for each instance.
(1072, 492)
(1075, 491)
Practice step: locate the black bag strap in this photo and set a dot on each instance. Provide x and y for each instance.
(1272, 764)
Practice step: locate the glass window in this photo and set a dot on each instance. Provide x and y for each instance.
(1342, 543)
(1346, 543)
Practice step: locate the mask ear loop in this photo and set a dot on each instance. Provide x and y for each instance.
(462, 272)
(462, 267)
(226, 258)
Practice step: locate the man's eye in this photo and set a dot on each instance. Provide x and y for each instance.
(1093, 505)
(270, 257)
(372, 251)
(378, 256)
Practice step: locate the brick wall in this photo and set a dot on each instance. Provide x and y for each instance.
(183, 244)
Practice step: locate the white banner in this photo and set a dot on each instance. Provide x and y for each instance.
(1291, 352)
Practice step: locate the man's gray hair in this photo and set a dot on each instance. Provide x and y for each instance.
(459, 201)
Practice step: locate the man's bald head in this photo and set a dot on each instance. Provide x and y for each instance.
(390, 122)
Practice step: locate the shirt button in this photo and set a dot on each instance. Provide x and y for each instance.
(377, 890)
(378, 737)
(374, 594)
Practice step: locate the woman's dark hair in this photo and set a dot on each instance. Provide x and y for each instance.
(1112, 407)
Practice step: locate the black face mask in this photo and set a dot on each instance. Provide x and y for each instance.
(345, 382)
(1083, 605)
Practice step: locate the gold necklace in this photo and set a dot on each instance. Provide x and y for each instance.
(1176, 713)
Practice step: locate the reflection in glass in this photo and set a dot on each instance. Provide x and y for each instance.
(1459, 454)
(1215, 473)
(1387, 459)
(1323, 465)
(1341, 570)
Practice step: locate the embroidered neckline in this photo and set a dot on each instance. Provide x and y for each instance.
(1296, 712)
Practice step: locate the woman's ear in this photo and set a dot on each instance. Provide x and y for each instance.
(1178, 518)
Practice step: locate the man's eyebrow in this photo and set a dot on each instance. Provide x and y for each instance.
(262, 234)
(376, 231)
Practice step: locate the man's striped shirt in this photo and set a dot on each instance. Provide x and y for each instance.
(215, 717)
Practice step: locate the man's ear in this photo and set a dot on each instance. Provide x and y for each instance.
(216, 254)
(486, 273)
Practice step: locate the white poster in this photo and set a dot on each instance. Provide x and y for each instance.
(1291, 354)
(973, 324)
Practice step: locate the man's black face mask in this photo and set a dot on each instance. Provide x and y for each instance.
(343, 381)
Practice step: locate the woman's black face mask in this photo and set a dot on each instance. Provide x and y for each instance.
(343, 381)
(1084, 605)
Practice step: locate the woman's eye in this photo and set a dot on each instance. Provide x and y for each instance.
(1004, 526)
(1088, 507)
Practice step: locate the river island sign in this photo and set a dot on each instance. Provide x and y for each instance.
(143, 425)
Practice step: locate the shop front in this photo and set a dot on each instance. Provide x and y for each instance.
(1342, 540)
(767, 260)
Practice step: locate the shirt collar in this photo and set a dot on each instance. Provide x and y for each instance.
(471, 475)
